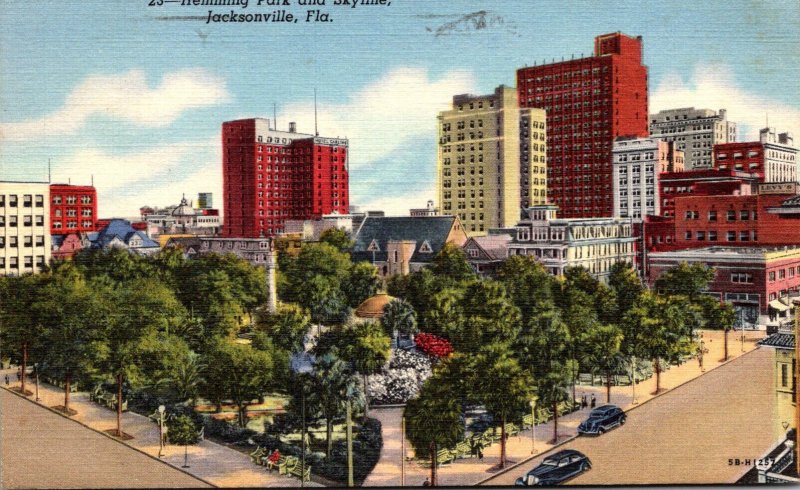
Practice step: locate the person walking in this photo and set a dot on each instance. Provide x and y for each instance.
(584, 403)
(480, 451)
(594, 401)
(7, 380)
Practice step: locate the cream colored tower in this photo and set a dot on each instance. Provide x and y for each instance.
(491, 160)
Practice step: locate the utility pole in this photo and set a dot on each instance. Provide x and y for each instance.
(349, 444)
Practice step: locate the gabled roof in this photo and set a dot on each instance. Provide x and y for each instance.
(185, 243)
(121, 230)
(382, 229)
(494, 246)
(779, 340)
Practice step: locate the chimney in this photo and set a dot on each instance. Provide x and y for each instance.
(292, 127)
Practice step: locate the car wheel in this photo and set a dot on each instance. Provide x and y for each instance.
(602, 430)
(586, 467)
(622, 421)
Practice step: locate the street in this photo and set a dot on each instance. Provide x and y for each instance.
(685, 436)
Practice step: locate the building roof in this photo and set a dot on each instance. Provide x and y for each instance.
(495, 246)
(185, 243)
(375, 232)
(735, 254)
(372, 307)
(779, 340)
(122, 230)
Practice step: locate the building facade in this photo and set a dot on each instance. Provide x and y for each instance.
(593, 243)
(638, 163)
(73, 209)
(589, 102)
(429, 210)
(270, 176)
(673, 185)
(695, 131)
(181, 218)
(205, 200)
(773, 158)
(491, 160)
(487, 253)
(25, 244)
(758, 282)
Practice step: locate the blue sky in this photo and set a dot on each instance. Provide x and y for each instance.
(105, 89)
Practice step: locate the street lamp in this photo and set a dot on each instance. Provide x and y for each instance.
(533, 423)
(161, 410)
(634, 401)
(302, 363)
(36, 368)
(403, 451)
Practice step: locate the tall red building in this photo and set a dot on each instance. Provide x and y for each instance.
(589, 102)
(73, 209)
(271, 176)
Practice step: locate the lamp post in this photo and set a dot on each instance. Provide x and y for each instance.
(161, 410)
(403, 452)
(634, 401)
(36, 369)
(533, 424)
(301, 364)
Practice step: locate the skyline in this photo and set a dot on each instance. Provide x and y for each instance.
(139, 103)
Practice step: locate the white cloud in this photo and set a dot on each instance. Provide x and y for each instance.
(126, 97)
(715, 87)
(384, 116)
(399, 206)
(156, 177)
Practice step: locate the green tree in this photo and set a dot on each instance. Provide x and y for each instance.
(451, 263)
(603, 343)
(551, 389)
(685, 280)
(188, 378)
(445, 315)
(21, 329)
(418, 288)
(504, 388)
(399, 316)
(434, 420)
(367, 348)
(118, 265)
(362, 283)
(286, 327)
(669, 338)
(337, 238)
(182, 431)
(625, 282)
(528, 283)
(334, 386)
(489, 316)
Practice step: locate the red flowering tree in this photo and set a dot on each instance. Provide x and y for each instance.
(433, 345)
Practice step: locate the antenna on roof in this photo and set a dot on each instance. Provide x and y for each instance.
(275, 115)
(48, 171)
(92, 180)
(316, 132)
(767, 120)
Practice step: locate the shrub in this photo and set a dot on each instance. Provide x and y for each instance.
(433, 345)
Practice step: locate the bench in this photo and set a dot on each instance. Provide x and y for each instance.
(622, 380)
(444, 456)
(295, 471)
(284, 464)
(543, 415)
(585, 379)
(511, 429)
(527, 421)
(462, 450)
(258, 455)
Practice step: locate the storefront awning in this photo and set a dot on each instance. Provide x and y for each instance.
(778, 305)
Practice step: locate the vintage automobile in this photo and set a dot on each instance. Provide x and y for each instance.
(601, 419)
(556, 468)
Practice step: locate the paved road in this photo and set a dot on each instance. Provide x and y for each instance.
(686, 436)
(41, 449)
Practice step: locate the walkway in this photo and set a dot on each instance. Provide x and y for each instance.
(216, 464)
(41, 449)
(470, 471)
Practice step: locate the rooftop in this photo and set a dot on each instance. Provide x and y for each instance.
(779, 340)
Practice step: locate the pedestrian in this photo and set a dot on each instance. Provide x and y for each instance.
(7, 380)
(19, 375)
(480, 451)
(594, 401)
(584, 403)
(426, 483)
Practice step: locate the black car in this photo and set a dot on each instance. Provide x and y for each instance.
(556, 468)
(601, 419)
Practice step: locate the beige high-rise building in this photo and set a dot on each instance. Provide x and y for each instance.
(24, 227)
(491, 160)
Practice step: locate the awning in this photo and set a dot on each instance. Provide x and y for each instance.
(778, 305)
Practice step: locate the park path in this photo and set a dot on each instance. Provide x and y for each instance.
(470, 471)
(214, 463)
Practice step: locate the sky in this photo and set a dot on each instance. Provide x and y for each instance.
(133, 96)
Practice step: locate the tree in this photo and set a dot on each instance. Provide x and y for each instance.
(188, 378)
(668, 338)
(362, 283)
(337, 238)
(21, 330)
(489, 316)
(434, 420)
(551, 389)
(685, 280)
(286, 327)
(445, 315)
(418, 288)
(451, 263)
(183, 431)
(626, 284)
(399, 316)
(368, 349)
(528, 284)
(118, 265)
(334, 386)
(603, 344)
(504, 388)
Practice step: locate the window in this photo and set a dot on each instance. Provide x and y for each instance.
(27, 241)
(784, 375)
(27, 201)
(40, 220)
(12, 242)
(701, 235)
(27, 220)
(731, 236)
(12, 221)
(712, 236)
(12, 200)
(744, 215)
(39, 201)
(782, 274)
(744, 236)
(712, 216)
(741, 277)
(772, 276)
(731, 215)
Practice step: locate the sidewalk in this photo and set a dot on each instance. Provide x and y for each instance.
(470, 471)
(218, 465)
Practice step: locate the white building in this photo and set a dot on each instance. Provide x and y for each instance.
(695, 131)
(593, 243)
(24, 227)
(780, 156)
(638, 162)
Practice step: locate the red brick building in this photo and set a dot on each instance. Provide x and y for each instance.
(589, 102)
(73, 209)
(758, 282)
(271, 176)
(701, 183)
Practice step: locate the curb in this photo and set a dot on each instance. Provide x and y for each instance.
(530, 458)
(111, 437)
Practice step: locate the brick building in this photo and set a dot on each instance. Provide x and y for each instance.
(702, 183)
(271, 176)
(73, 209)
(773, 158)
(759, 282)
(589, 102)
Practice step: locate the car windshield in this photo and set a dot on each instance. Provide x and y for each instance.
(550, 462)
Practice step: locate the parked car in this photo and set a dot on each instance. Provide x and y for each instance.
(602, 419)
(556, 468)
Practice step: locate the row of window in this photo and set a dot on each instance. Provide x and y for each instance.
(27, 200)
(711, 235)
(58, 225)
(27, 241)
(782, 273)
(71, 200)
(13, 262)
(27, 220)
(87, 212)
(744, 215)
